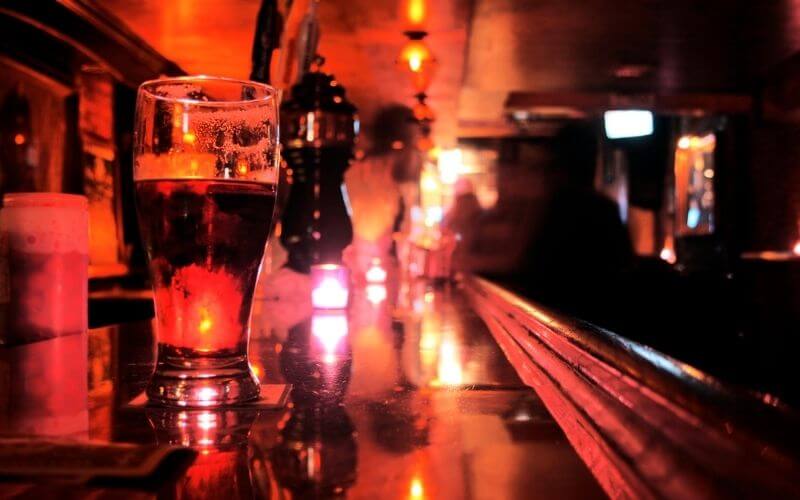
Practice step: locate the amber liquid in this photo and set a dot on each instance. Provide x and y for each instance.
(205, 239)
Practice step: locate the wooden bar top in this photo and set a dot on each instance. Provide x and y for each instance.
(407, 395)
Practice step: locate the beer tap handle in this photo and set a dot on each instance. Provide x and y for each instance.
(307, 40)
(269, 26)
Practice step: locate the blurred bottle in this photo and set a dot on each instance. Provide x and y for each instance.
(43, 266)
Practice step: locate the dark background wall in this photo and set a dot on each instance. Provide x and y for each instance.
(773, 184)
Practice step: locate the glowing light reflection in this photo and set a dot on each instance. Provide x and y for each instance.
(207, 421)
(376, 274)
(205, 321)
(449, 371)
(206, 395)
(417, 490)
(376, 294)
(329, 330)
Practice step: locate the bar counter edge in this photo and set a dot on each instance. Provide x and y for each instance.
(647, 425)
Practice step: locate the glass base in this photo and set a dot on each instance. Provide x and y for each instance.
(204, 388)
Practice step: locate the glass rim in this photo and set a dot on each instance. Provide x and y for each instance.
(270, 92)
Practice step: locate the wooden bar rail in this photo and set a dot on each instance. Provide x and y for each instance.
(647, 425)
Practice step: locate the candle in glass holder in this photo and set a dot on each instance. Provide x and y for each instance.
(329, 286)
(44, 262)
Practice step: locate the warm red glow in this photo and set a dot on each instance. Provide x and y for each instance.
(189, 138)
(415, 11)
(205, 319)
(257, 370)
(425, 144)
(796, 248)
(241, 168)
(418, 62)
(176, 166)
(417, 490)
(449, 371)
(703, 143)
(19, 139)
(423, 112)
(414, 54)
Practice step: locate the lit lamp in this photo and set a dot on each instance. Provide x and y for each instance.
(450, 165)
(329, 286)
(413, 14)
(422, 112)
(417, 61)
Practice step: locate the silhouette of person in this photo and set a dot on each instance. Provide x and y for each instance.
(576, 258)
(459, 223)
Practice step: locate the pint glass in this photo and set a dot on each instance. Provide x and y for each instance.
(205, 172)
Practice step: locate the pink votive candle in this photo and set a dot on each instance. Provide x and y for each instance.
(330, 286)
(44, 263)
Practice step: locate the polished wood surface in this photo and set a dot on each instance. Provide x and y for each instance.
(649, 426)
(411, 399)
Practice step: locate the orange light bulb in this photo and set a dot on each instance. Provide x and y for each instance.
(241, 168)
(412, 14)
(417, 61)
(415, 10)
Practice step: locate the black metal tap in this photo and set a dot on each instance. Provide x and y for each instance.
(319, 127)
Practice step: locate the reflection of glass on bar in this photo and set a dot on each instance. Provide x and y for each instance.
(44, 240)
(45, 389)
